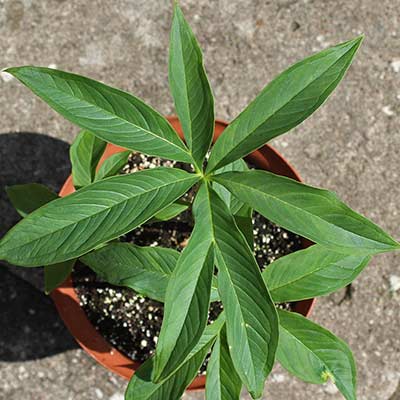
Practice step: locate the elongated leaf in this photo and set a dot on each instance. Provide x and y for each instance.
(146, 270)
(317, 214)
(85, 154)
(29, 197)
(188, 295)
(190, 88)
(284, 103)
(223, 383)
(312, 272)
(56, 274)
(314, 354)
(142, 388)
(244, 221)
(171, 211)
(112, 165)
(70, 227)
(251, 319)
(111, 114)
(242, 212)
(232, 202)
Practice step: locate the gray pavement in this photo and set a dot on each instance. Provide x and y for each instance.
(350, 146)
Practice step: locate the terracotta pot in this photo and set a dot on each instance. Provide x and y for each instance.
(74, 317)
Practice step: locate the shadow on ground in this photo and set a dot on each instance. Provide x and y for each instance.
(30, 326)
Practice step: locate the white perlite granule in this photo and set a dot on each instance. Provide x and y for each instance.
(394, 283)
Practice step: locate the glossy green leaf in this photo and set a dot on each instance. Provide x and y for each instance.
(56, 274)
(251, 319)
(244, 221)
(232, 202)
(111, 114)
(242, 212)
(146, 270)
(71, 226)
(29, 197)
(223, 383)
(188, 295)
(112, 165)
(284, 103)
(312, 272)
(314, 213)
(141, 386)
(85, 153)
(190, 88)
(171, 211)
(314, 354)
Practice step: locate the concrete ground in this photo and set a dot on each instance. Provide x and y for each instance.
(350, 146)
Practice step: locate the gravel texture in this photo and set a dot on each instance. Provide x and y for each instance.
(350, 146)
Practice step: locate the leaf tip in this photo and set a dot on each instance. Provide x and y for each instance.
(255, 395)
(8, 71)
(358, 40)
(176, 6)
(12, 70)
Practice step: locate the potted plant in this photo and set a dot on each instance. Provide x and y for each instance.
(217, 262)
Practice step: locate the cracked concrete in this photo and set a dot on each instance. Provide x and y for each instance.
(351, 146)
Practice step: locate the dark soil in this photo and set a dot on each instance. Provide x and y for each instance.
(130, 322)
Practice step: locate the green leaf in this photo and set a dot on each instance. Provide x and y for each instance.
(111, 114)
(56, 274)
(112, 165)
(314, 213)
(223, 383)
(190, 88)
(188, 295)
(314, 354)
(234, 204)
(26, 199)
(71, 226)
(171, 211)
(142, 388)
(85, 153)
(146, 270)
(284, 103)
(244, 221)
(241, 211)
(312, 272)
(251, 319)
(29, 197)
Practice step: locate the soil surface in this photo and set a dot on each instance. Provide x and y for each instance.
(131, 322)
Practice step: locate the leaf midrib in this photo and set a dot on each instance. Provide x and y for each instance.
(252, 188)
(230, 280)
(153, 134)
(288, 283)
(186, 97)
(306, 347)
(319, 358)
(94, 215)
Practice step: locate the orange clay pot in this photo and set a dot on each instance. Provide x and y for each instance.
(74, 317)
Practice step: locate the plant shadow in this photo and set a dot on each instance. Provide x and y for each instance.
(30, 326)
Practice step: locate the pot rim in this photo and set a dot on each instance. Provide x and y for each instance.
(66, 299)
